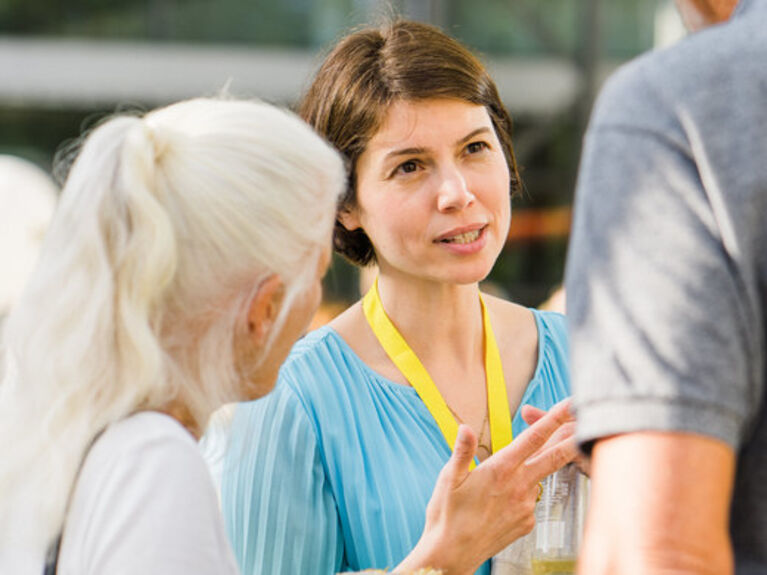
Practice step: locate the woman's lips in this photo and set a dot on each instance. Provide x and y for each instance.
(467, 241)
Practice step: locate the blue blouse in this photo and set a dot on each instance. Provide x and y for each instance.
(333, 470)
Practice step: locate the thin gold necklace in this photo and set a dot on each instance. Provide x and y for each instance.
(481, 443)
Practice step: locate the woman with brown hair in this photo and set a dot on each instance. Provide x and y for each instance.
(368, 407)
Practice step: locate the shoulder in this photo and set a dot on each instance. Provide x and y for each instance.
(524, 322)
(516, 333)
(537, 339)
(553, 326)
(319, 345)
(512, 323)
(553, 369)
(636, 96)
(554, 342)
(144, 425)
(314, 343)
(524, 325)
(658, 90)
(144, 460)
(144, 431)
(312, 358)
(146, 480)
(509, 315)
(147, 444)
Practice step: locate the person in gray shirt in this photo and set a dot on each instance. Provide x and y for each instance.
(667, 296)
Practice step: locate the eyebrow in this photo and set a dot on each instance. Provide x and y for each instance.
(477, 132)
(417, 151)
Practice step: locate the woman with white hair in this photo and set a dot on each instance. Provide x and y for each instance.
(183, 261)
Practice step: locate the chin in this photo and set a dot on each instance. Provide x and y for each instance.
(466, 275)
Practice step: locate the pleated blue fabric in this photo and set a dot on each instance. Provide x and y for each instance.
(332, 471)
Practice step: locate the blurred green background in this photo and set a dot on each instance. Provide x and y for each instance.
(64, 65)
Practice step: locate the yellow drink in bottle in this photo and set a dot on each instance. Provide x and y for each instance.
(553, 566)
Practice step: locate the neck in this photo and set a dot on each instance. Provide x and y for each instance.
(181, 413)
(435, 318)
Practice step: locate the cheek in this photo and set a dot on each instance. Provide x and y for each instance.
(493, 187)
(493, 191)
(405, 233)
(505, 217)
(305, 311)
(503, 179)
(388, 228)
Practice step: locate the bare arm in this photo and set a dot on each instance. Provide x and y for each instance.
(660, 504)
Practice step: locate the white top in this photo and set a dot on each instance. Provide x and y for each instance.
(145, 503)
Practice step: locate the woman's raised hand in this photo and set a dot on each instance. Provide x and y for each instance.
(567, 430)
(473, 515)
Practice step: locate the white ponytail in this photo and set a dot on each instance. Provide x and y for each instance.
(165, 228)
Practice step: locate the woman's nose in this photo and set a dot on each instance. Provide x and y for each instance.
(454, 193)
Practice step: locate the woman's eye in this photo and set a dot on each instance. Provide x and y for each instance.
(407, 167)
(476, 147)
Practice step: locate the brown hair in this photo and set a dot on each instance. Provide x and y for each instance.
(368, 70)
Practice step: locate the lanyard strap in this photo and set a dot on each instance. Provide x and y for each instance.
(411, 367)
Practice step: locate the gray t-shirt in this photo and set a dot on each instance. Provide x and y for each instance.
(667, 271)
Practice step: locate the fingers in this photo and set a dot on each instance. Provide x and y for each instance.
(535, 436)
(552, 458)
(531, 414)
(457, 467)
(564, 432)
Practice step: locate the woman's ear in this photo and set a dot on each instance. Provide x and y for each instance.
(264, 308)
(349, 218)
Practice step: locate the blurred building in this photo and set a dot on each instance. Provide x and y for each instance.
(64, 65)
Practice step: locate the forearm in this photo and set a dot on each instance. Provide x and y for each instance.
(660, 505)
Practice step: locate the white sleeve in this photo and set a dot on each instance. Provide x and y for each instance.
(145, 504)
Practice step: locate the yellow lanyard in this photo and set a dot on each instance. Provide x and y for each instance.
(411, 367)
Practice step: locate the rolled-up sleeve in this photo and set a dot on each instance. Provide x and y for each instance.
(662, 337)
